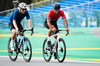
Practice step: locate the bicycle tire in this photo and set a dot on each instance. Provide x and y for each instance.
(27, 59)
(11, 52)
(61, 50)
(49, 58)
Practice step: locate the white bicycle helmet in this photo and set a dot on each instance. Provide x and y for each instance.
(22, 5)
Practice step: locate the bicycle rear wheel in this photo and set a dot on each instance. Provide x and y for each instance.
(61, 50)
(12, 54)
(46, 51)
(27, 50)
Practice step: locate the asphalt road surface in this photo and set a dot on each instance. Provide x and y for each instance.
(5, 61)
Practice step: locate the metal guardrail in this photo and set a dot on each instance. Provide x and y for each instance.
(31, 5)
(81, 4)
(34, 18)
(8, 10)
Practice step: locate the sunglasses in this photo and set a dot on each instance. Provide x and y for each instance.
(56, 10)
(23, 9)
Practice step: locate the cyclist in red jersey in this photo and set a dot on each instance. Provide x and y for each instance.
(51, 21)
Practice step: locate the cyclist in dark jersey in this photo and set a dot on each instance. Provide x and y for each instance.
(51, 21)
(15, 21)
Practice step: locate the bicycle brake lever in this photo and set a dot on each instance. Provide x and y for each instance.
(32, 31)
(67, 33)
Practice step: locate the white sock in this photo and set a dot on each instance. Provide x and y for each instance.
(48, 38)
(12, 42)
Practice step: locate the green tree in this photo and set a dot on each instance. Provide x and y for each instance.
(6, 4)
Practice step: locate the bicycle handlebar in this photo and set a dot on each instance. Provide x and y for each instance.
(64, 30)
(19, 33)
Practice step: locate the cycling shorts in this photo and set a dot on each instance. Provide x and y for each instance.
(11, 26)
(54, 23)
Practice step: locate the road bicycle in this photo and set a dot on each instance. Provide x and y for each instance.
(21, 45)
(59, 47)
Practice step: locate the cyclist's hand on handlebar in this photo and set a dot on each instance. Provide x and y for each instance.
(30, 28)
(32, 31)
(54, 29)
(67, 29)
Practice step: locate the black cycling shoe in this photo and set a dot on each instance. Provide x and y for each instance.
(49, 43)
(55, 57)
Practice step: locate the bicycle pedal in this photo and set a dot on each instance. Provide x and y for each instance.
(45, 52)
(25, 54)
(20, 52)
(15, 49)
(61, 50)
(27, 49)
(11, 51)
(48, 49)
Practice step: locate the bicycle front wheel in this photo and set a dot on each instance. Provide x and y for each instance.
(12, 54)
(27, 50)
(61, 50)
(46, 51)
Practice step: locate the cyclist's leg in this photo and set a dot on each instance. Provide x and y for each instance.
(49, 33)
(55, 25)
(12, 28)
(20, 27)
(51, 30)
(46, 25)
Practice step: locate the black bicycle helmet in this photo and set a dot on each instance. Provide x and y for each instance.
(56, 6)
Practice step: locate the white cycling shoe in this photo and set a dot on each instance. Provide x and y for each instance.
(12, 47)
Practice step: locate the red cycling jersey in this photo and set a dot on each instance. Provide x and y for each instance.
(53, 16)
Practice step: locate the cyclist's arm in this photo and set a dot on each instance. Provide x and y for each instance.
(49, 19)
(65, 20)
(28, 19)
(14, 20)
(29, 23)
(66, 23)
